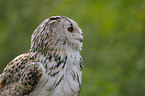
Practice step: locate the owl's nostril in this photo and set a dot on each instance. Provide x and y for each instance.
(80, 39)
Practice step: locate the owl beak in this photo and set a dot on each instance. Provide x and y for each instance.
(80, 39)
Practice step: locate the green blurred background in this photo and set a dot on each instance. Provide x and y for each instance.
(114, 39)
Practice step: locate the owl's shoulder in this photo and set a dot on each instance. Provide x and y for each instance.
(20, 76)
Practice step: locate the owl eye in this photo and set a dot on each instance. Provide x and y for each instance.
(70, 29)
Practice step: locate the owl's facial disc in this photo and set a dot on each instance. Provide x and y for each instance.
(72, 33)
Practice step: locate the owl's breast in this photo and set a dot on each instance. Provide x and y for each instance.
(65, 80)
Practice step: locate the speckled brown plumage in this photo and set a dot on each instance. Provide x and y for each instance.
(52, 67)
(20, 75)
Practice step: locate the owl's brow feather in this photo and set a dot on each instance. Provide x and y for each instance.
(68, 21)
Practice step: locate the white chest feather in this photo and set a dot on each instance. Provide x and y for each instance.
(61, 77)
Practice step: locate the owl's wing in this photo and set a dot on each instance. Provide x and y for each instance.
(20, 81)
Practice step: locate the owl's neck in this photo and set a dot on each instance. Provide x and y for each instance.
(52, 46)
(53, 50)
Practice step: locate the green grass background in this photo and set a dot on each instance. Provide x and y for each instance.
(114, 39)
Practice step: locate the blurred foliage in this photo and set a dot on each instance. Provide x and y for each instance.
(114, 39)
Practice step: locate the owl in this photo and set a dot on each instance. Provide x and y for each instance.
(53, 65)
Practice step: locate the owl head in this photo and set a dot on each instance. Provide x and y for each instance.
(57, 33)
